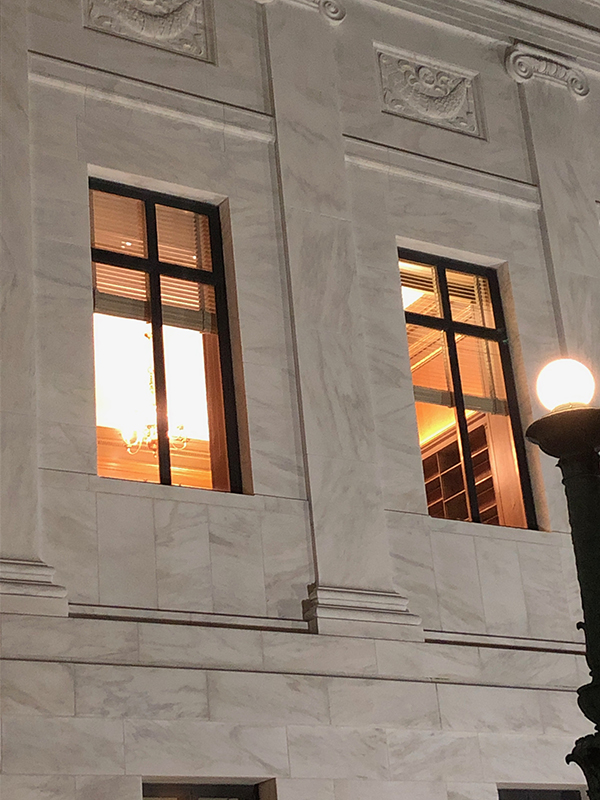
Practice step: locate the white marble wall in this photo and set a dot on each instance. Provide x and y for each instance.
(333, 185)
(368, 726)
(120, 544)
(137, 545)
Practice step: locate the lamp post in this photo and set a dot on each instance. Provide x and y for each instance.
(571, 433)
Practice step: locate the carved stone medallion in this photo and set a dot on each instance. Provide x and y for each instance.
(182, 26)
(418, 88)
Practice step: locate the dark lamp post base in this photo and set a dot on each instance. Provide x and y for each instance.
(586, 754)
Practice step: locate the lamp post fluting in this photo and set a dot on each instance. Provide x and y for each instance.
(571, 433)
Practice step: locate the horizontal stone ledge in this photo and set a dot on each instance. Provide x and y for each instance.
(101, 641)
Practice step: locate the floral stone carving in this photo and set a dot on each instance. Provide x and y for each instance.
(428, 91)
(182, 26)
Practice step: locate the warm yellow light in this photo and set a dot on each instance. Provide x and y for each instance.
(565, 382)
(410, 296)
(124, 378)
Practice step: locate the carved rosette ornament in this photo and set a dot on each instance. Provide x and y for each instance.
(182, 26)
(523, 63)
(428, 91)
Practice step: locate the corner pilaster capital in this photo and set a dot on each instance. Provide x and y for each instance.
(524, 62)
(333, 10)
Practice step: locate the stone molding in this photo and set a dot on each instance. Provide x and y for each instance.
(181, 26)
(334, 10)
(27, 587)
(425, 90)
(524, 62)
(362, 613)
(505, 20)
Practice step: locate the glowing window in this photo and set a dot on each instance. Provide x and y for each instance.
(165, 409)
(469, 428)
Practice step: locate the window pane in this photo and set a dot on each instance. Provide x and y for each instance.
(470, 299)
(429, 360)
(125, 401)
(121, 292)
(420, 292)
(118, 223)
(443, 470)
(481, 374)
(492, 445)
(183, 237)
(193, 377)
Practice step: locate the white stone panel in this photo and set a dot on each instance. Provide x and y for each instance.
(185, 645)
(434, 756)
(390, 790)
(70, 538)
(527, 759)
(183, 574)
(125, 787)
(489, 708)
(317, 654)
(59, 745)
(126, 551)
(141, 692)
(340, 752)
(457, 581)
(69, 639)
(35, 688)
(416, 660)
(236, 561)
(212, 749)
(377, 702)
(38, 787)
(501, 587)
(267, 699)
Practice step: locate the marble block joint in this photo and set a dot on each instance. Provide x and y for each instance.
(428, 91)
(27, 587)
(523, 63)
(181, 26)
(358, 612)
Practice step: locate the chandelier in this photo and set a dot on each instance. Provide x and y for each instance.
(147, 436)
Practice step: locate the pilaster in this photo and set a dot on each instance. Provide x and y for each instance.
(353, 594)
(25, 581)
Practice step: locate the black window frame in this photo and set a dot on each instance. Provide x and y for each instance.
(196, 791)
(498, 334)
(540, 794)
(154, 268)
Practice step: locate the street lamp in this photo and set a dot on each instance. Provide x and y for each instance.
(571, 433)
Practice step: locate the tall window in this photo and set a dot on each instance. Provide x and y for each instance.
(165, 408)
(469, 428)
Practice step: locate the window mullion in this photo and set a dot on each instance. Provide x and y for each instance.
(518, 436)
(160, 383)
(461, 417)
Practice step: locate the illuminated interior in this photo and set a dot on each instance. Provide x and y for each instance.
(125, 380)
(491, 446)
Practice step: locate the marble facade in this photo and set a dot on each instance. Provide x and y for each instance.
(319, 634)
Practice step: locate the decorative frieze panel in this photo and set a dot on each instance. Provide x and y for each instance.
(429, 91)
(523, 63)
(182, 26)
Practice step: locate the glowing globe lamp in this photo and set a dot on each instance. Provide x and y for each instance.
(565, 383)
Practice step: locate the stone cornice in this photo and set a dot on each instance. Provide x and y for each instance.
(505, 21)
(523, 63)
